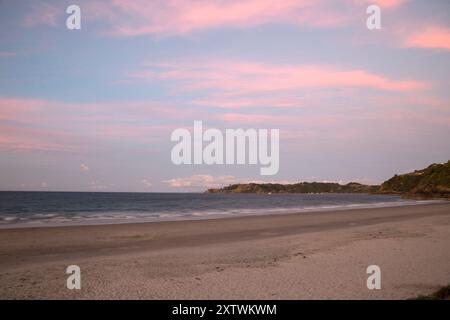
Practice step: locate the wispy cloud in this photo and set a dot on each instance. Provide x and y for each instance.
(181, 17)
(18, 138)
(385, 4)
(178, 17)
(95, 185)
(249, 78)
(200, 181)
(46, 125)
(432, 37)
(147, 183)
(43, 13)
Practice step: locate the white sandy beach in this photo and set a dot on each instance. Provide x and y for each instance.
(293, 256)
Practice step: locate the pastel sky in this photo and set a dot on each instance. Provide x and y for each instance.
(93, 109)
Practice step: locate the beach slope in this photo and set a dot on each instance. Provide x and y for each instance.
(316, 255)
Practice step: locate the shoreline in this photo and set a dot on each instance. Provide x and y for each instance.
(319, 255)
(286, 211)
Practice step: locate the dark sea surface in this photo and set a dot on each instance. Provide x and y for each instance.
(72, 208)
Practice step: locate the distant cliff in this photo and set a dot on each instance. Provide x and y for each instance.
(302, 187)
(433, 181)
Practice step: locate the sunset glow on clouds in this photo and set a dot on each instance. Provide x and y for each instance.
(431, 38)
(178, 17)
(201, 180)
(248, 77)
(103, 100)
(181, 17)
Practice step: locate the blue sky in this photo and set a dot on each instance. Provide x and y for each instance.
(93, 109)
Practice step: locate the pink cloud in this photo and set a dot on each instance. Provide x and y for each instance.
(242, 77)
(175, 17)
(254, 118)
(42, 13)
(432, 37)
(388, 4)
(180, 17)
(11, 109)
(42, 125)
(16, 138)
(200, 180)
(237, 102)
(33, 111)
(315, 120)
(416, 118)
(209, 181)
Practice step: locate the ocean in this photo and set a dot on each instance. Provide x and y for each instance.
(38, 209)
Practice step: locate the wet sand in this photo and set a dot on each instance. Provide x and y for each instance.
(316, 255)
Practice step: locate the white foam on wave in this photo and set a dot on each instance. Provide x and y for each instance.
(86, 218)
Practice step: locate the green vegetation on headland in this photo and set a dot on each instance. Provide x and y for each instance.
(302, 187)
(431, 182)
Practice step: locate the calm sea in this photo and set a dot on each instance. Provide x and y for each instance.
(69, 208)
